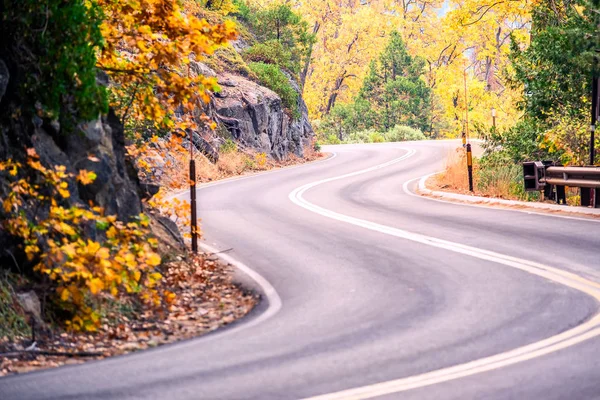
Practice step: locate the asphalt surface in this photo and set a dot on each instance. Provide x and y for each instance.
(367, 296)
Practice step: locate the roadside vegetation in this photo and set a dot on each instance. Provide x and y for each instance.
(85, 270)
(75, 279)
(392, 105)
(556, 70)
(279, 47)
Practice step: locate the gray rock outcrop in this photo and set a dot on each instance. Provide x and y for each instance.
(97, 146)
(255, 116)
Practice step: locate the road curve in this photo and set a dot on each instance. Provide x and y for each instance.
(383, 295)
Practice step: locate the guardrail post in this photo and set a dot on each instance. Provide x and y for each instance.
(561, 195)
(590, 197)
(586, 197)
(595, 111)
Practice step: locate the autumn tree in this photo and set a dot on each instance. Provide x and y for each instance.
(82, 256)
(148, 47)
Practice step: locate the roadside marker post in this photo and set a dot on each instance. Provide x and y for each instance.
(470, 166)
(194, 219)
(193, 207)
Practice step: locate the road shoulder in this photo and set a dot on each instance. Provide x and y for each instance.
(423, 189)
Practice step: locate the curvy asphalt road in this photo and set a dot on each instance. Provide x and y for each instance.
(373, 292)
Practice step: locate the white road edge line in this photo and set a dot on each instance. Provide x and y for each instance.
(573, 336)
(269, 291)
(274, 300)
(489, 207)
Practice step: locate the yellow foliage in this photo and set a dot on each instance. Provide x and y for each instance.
(261, 160)
(149, 45)
(449, 35)
(120, 259)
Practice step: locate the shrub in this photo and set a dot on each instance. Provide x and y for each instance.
(376, 137)
(333, 139)
(271, 52)
(273, 78)
(400, 133)
(361, 136)
(228, 147)
(118, 259)
(243, 11)
(261, 160)
(317, 146)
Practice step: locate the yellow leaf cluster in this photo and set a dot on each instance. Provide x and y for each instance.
(87, 254)
(149, 46)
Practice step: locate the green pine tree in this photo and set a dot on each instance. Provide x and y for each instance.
(394, 90)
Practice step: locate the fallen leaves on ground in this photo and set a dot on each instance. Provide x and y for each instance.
(205, 298)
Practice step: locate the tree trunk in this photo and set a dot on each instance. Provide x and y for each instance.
(304, 73)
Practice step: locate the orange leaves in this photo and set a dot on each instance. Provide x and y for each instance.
(120, 259)
(86, 177)
(153, 260)
(149, 44)
(95, 285)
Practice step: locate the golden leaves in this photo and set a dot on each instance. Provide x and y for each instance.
(148, 46)
(115, 262)
(86, 177)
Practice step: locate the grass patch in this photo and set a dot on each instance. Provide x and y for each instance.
(227, 59)
(271, 52)
(13, 323)
(491, 179)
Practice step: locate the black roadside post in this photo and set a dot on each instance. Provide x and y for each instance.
(589, 196)
(594, 120)
(194, 221)
(470, 166)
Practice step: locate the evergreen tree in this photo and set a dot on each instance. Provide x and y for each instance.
(394, 91)
(279, 28)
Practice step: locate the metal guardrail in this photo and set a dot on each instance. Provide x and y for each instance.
(552, 179)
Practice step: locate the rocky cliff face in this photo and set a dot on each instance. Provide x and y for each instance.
(97, 146)
(255, 116)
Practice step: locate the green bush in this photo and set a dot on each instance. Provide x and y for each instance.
(332, 139)
(401, 133)
(53, 46)
(271, 52)
(361, 136)
(376, 137)
(243, 13)
(228, 147)
(272, 77)
(317, 147)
